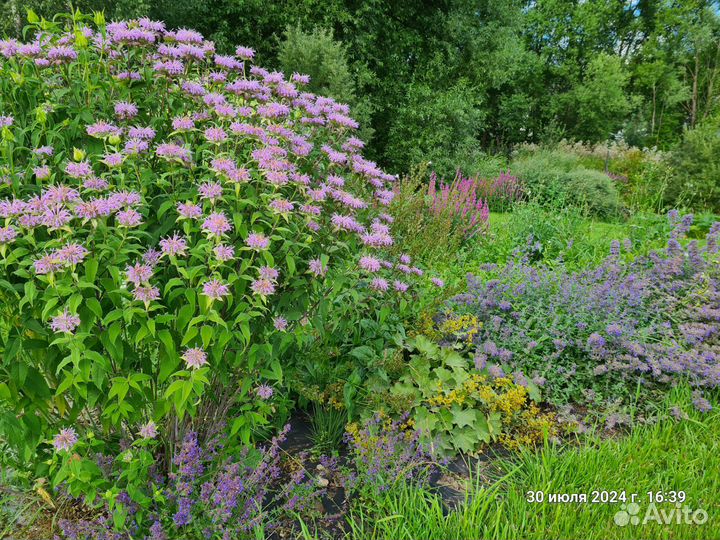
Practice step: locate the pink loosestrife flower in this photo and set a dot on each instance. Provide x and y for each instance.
(459, 201)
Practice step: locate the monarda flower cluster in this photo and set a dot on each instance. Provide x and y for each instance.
(180, 207)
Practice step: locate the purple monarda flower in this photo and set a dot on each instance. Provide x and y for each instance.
(44, 151)
(195, 358)
(264, 391)
(317, 268)
(173, 245)
(146, 294)
(438, 282)
(125, 110)
(129, 218)
(400, 286)
(280, 323)
(263, 287)
(189, 210)
(371, 264)
(268, 272)
(66, 439)
(215, 135)
(78, 169)
(258, 241)
(183, 123)
(281, 206)
(96, 184)
(136, 146)
(7, 235)
(211, 191)
(215, 289)
(173, 152)
(139, 273)
(142, 133)
(113, 160)
(246, 53)
(42, 172)
(149, 430)
(217, 224)
(65, 322)
(71, 254)
(379, 284)
(224, 252)
(102, 129)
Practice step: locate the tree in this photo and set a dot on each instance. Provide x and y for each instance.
(597, 107)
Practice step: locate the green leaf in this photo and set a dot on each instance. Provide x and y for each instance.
(481, 426)
(94, 306)
(427, 347)
(424, 419)
(290, 264)
(465, 440)
(207, 333)
(463, 417)
(91, 268)
(13, 349)
(454, 360)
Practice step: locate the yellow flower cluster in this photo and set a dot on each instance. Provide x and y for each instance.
(523, 422)
(370, 443)
(469, 325)
(474, 385)
(530, 428)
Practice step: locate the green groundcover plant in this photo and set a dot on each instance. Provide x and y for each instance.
(171, 221)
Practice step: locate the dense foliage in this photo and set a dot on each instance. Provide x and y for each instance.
(442, 81)
(616, 332)
(174, 220)
(196, 253)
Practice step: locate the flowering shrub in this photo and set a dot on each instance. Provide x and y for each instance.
(460, 202)
(172, 220)
(438, 218)
(500, 191)
(631, 326)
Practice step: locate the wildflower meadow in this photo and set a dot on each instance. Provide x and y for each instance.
(225, 315)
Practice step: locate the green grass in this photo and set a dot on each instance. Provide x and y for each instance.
(669, 455)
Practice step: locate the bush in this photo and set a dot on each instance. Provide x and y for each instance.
(593, 191)
(556, 179)
(437, 126)
(696, 168)
(435, 220)
(174, 221)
